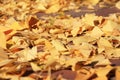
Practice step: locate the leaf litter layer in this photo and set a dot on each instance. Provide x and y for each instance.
(49, 47)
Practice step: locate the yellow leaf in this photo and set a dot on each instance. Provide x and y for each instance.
(104, 43)
(84, 74)
(2, 40)
(102, 72)
(93, 2)
(3, 54)
(26, 78)
(96, 32)
(85, 49)
(118, 5)
(89, 19)
(13, 24)
(40, 7)
(109, 26)
(75, 31)
(111, 52)
(48, 45)
(58, 45)
(4, 62)
(101, 60)
(27, 54)
(101, 78)
(54, 8)
(35, 67)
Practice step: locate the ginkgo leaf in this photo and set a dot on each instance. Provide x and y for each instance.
(58, 45)
(26, 78)
(2, 40)
(27, 54)
(118, 4)
(96, 32)
(4, 62)
(35, 67)
(104, 43)
(93, 2)
(89, 19)
(109, 27)
(103, 71)
(3, 54)
(54, 8)
(13, 24)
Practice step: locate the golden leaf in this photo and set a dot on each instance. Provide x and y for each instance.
(2, 40)
(101, 78)
(35, 67)
(109, 26)
(58, 45)
(104, 43)
(13, 24)
(4, 62)
(54, 8)
(102, 72)
(85, 49)
(96, 32)
(27, 54)
(3, 54)
(26, 78)
(93, 2)
(118, 4)
(101, 60)
(89, 19)
(75, 30)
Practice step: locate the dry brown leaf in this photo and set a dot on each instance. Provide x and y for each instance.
(84, 74)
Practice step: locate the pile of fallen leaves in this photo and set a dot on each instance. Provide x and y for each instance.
(20, 9)
(38, 45)
(39, 48)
